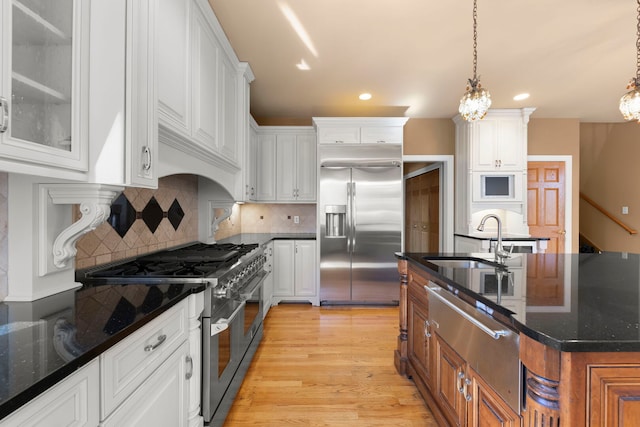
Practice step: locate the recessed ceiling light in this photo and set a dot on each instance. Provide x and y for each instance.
(302, 65)
(521, 97)
(365, 96)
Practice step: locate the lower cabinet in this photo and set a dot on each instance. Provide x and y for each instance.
(72, 402)
(162, 399)
(457, 395)
(267, 287)
(150, 378)
(464, 397)
(294, 271)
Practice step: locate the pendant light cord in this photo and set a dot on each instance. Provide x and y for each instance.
(637, 82)
(475, 39)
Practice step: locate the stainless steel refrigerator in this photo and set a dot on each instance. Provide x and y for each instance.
(360, 215)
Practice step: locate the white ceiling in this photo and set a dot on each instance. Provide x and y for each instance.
(575, 57)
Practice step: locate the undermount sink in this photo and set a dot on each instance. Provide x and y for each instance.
(461, 262)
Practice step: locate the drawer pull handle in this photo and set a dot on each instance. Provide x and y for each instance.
(162, 338)
(495, 334)
(4, 114)
(189, 373)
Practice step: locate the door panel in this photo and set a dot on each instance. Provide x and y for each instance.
(377, 222)
(546, 203)
(335, 261)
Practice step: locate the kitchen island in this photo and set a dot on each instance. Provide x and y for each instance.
(577, 317)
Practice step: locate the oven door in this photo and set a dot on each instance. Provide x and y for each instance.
(222, 338)
(251, 294)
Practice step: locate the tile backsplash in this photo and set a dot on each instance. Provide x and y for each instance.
(104, 244)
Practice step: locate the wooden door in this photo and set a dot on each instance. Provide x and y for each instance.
(419, 338)
(422, 210)
(546, 212)
(546, 203)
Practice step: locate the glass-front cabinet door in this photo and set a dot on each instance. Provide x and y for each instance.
(44, 86)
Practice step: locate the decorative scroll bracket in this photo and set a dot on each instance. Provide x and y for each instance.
(95, 207)
(219, 210)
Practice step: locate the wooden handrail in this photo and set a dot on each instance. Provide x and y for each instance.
(608, 214)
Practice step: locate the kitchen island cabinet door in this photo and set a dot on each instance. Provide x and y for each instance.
(419, 339)
(44, 88)
(486, 408)
(450, 377)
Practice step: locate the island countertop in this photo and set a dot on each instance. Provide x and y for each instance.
(569, 302)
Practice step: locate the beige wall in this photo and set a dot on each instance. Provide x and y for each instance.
(429, 136)
(546, 137)
(610, 175)
(560, 137)
(268, 218)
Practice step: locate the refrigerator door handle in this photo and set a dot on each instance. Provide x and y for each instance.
(353, 217)
(349, 218)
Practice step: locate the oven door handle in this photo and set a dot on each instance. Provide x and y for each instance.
(222, 323)
(253, 285)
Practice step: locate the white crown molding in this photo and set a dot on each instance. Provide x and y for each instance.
(95, 206)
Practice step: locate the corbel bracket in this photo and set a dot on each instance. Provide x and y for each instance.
(219, 210)
(95, 206)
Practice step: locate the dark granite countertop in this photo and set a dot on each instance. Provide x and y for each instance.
(91, 319)
(262, 238)
(570, 302)
(505, 237)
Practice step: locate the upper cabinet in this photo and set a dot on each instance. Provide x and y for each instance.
(44, 87)
(202, 87)
(360, 130)
(286, 164)
(501, 144)
(123, 124)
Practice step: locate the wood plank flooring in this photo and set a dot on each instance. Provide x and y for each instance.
(328, 366)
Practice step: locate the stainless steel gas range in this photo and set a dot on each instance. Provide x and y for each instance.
(232, 316)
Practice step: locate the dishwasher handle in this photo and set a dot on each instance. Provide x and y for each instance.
(495, 334)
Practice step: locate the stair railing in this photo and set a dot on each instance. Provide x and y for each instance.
(608, 214)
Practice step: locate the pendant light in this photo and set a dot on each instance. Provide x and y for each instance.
(630, 101)
(476, 101)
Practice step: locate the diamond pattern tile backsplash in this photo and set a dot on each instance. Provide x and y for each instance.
(154, 220)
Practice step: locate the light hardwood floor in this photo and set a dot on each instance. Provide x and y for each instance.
(328, 366)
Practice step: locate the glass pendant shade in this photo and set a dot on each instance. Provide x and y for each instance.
(630, 105)
(474, 104)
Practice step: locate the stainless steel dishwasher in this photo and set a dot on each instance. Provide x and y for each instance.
(487, 346)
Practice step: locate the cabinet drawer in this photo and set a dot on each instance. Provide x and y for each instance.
(381, 135)
(129, 363)
(339, 135)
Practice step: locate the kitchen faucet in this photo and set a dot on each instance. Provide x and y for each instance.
(500, 253)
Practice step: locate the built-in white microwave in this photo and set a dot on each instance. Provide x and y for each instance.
(491, 186)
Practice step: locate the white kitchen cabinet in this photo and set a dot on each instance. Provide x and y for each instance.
(72, 402)
(251, 165)
(296, 168)
(123, 120)
(203, 98)
(125, 366)
(294, 271)
(360, 130)
(267, 287)
(162, 400)
(266, 167)
(154, 374)
(500, 144)
(286, 164)
(44, 88)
